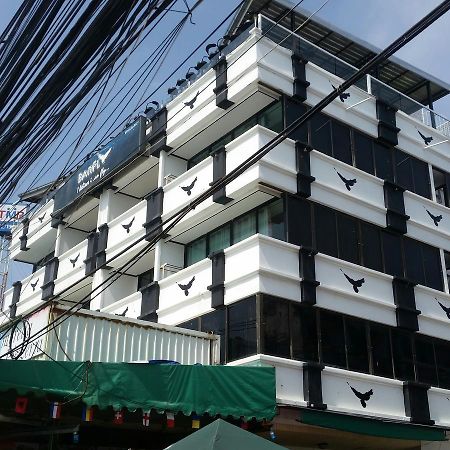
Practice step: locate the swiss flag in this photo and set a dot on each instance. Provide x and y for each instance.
(118, 418)
(21, 405)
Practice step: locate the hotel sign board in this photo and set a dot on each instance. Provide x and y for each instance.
(102, 165)
(10, 216)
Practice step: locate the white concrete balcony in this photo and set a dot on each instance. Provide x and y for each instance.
(40, 237)
(124, 230)
(347, 189)
(428, 221)
(127, 307)
(438, 404)
(71, 271)
(257, 185)
(31, 293)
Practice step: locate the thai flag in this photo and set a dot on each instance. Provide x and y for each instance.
(170, 420)
(146, 419)
(55, 410)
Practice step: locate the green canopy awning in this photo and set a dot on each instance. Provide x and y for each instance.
(221, 435)
(229, 391)
(371, 427)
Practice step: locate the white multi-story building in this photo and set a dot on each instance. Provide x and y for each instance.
(327, 258)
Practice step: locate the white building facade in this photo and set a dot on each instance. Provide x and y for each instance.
(327, 258)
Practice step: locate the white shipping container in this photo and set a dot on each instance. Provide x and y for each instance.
(99, 337)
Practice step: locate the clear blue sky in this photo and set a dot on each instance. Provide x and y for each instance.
(378, 22)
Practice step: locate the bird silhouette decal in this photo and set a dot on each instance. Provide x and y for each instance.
(186, 287)
(344, 96)
(102, 157)
(355, 283)
(74, 260)
(436, 219)
(426, 139)
(348, 183)
(123, 313)
(42, 217)
(190, 103)
(128, 226)
(444, 308)
(188, 189)
(34, 285)
(363, 397)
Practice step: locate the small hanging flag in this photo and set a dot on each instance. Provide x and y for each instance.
(170, 420)
(146, 418)
(88, 414)
(196, 422)
(21, 405)
(55, 410)
(118, 418)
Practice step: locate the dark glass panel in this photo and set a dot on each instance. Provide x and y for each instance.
(425, 363)
(442, 350)
(347, 238)
(413, 260)
(341, 143)
(325, 230)
(403, 357)
(371, 247)
(356, 343)
(403, 172)
(196, 251)
(383, 161)
(241, 129)
(272, 117)
(303, 333)
(363, 153)
(433, 267)
(242, 329)
(381, 351)
(392, 253)
(145, 278)
(332, 339)
(275, 327)
(271, 220)
(321, 133)
(214, 322)
(421, 177)
(244, 227)
(220, 239)
(190, 324)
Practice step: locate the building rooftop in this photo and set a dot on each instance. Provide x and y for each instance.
(396, 73)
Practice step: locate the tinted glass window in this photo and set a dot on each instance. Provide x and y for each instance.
(347, 238)
(403, 358)
(303, 333)
(433, 268)
(413, 260)
(425, 363)
(190, 324)
(383, 161)
(275, 327)
(144, 279)
(341, 143)
(242, 329)
(271, 220)
(272, 117)
(392, 253)
(332, 339)
(250, 123)
(325, 230)
(214, 322)
(356, 343)
(442, 351)
(381, 351)
(403, 170)
(196, 251)
(219, 239)
(321, 133)
(244, 227)
(371, 247)
(363, 153)
(421, 177)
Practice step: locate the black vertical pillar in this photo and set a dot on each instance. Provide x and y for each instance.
(219, 171)
(395, 204)
(102, 243)
(158, 133)
(217, 287)
(387, 123)
(153, 221)
(304, 177)
(56, 221)
(23, 237)
(221, 89)
(416, 402)
(150, 302)
(90, 261)
(312, 385)
(50, 275)
(299, 74)
(292, 110)
(17, 287)
(405, 303)
(307, 269)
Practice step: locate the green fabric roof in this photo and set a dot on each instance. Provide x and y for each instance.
(229, 391)
(221, 435)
